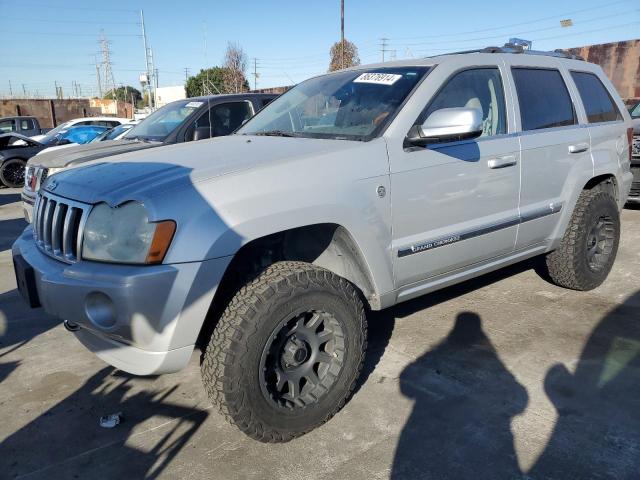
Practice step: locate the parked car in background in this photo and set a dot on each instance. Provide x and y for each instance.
(16, 150)
(24, 125)
(354, 190)
(108, 122)
(177, 122)
(116, 132)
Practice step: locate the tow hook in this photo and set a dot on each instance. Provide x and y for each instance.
(71, 327)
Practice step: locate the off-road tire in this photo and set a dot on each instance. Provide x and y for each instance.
(568, 265)
(232, 360)
(7, 168)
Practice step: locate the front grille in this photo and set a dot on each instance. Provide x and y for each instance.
(635, 146)
(44, 172)
(635, 185)
(57, 226)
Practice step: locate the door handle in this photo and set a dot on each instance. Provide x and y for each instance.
(501, 162)
(578, 148)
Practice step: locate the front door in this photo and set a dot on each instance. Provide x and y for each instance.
(456, 203)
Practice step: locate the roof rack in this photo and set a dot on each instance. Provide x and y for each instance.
(513, 48)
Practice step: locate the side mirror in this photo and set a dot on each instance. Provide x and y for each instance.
(63, 141)
(201, 133)
(447, 124)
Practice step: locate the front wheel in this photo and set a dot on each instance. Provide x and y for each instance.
(589, 246)
(287, 351)
(12, 172)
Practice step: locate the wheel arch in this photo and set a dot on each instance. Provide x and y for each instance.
(327, 245)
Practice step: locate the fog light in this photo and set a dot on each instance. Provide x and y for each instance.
(100, 310)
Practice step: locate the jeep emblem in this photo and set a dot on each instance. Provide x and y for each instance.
(52, 185)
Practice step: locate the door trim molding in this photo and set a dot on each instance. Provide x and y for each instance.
(424, 246)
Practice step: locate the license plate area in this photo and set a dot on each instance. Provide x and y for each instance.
(26, 280)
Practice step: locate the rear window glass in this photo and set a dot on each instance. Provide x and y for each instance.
(596, 99)
(544, 99)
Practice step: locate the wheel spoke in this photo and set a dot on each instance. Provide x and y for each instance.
(325, 336)
(324, 357)
(312, 377)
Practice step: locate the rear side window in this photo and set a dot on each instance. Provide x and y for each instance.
(596, 99)
(26, 124)
(544, 99)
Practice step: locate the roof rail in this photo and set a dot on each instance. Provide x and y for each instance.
(513, 48)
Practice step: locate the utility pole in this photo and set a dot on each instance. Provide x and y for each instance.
(146, 59)
(341, 33)
(10, 90)
(24, 90)
(98, 77)
(255, 73)
(186, 74)
(383, 47)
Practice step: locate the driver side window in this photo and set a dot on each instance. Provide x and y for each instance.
(479, 88)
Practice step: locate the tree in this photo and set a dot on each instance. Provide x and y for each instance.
(208, 81)
(351, 58)
(124, 94)
(235, 64)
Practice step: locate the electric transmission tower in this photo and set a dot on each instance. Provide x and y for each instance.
(109, 83)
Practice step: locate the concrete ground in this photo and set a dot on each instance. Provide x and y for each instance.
(506, 376)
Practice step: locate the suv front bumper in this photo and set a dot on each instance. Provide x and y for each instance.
(141, 319)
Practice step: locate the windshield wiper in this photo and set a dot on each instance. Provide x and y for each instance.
(276, 133)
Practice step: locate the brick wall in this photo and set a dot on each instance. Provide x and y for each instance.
(51, 113)
(620, 61)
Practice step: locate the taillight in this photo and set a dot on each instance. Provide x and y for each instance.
(630, 141)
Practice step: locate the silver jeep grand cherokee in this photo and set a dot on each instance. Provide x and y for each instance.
(355, 190)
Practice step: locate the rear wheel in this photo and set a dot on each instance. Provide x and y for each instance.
(12, 172)
(287, 352)
(589, 246)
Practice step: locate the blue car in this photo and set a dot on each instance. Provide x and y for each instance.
(81, 134)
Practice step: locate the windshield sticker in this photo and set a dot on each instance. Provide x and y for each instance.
(193, 104)
(378, 78)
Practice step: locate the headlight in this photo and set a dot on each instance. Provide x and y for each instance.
(124, 235)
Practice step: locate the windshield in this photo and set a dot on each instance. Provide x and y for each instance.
(635, 111)
(158, 125)
(112, 134)
(52, 133)
(349, 105)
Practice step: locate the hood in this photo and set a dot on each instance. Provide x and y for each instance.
(7, 138)
(146, 174)
(75, 154)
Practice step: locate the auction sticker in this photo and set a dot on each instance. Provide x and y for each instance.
(193, 104)
(378, 78)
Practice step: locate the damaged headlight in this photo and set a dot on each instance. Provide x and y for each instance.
(124, 235)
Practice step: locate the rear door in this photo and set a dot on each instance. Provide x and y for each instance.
(607, 128)
(554, 146)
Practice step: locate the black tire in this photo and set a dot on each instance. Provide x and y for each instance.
(243, 362)
(584, 258)
(12, 172)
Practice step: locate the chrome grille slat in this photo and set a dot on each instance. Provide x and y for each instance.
(57, 226)
(67, 234)
(46, 223)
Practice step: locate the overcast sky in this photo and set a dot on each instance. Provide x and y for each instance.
(44, 42)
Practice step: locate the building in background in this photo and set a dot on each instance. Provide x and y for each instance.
(166, 95)
(620, 61)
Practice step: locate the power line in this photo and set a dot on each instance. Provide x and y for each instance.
(542, 19)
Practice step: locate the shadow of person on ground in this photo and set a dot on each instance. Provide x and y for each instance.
(66, 441)
(597, 434)
(464, 400)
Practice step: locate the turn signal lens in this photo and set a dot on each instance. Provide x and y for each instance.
(161, 241)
